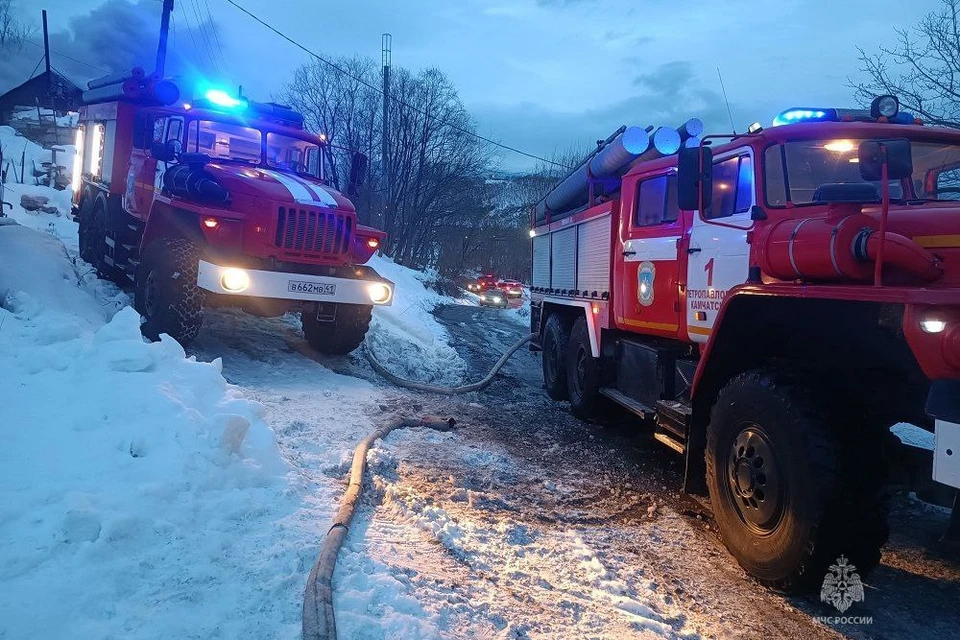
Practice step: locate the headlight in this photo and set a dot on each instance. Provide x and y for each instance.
(379, 292)
(483, 298)
(932, 325)
(234, 280)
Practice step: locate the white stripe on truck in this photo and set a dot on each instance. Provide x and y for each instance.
(301, 190)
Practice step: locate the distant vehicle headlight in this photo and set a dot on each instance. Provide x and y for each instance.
(484, 298)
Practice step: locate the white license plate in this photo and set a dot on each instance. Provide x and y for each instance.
(312, 288)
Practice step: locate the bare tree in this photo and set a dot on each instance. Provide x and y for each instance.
(922, 69)
(13, 32)
(435, 161)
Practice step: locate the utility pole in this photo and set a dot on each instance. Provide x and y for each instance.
(164, 32)
(386, 41)
(46, 52)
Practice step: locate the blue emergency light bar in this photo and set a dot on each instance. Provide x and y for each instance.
(221, 98)
(886, 107)
(802, 114)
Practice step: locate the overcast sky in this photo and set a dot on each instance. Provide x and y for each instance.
(543, 75)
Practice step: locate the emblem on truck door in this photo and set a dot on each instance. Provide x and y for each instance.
(646, 273)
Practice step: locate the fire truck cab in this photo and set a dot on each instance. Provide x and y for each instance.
(771, 305)
(220, 201)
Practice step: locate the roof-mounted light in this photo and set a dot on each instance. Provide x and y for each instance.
(884, 107)
(804, 114)
(221, 98)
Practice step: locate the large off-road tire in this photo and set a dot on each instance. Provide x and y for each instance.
(343, 334)
(583, 372)
(786, 491)
(554, 345)
(167, 295)
(86, 240)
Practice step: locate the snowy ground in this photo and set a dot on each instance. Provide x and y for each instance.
(145, 492)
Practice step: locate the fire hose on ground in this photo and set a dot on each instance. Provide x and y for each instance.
(318, 615)
(447, 391)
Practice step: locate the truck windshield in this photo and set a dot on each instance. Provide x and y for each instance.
(227, 141)
(293, 154)
(224, 141)
(794, 170)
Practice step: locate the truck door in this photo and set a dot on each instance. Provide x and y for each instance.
(648, 268)
(172, 127)
(718, 252)
(138, 196)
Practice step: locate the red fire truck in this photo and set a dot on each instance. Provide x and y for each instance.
(220, 201)
(771, 304)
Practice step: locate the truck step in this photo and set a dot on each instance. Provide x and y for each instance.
(625, 401)
(665, 438)
(674, 417)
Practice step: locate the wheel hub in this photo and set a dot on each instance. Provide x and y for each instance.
(755, 481)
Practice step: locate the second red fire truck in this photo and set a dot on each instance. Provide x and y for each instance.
(771, 303)
(220, 201)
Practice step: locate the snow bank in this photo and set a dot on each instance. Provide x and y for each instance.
(140, 494)
(406, 337)
(60, 225)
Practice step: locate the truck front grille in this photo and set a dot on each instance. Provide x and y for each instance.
(306, 231)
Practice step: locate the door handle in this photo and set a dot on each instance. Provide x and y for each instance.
(693, 250)
(629, 253)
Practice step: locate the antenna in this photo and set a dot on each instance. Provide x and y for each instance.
(729, 112)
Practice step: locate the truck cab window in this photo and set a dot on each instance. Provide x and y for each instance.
(774, 182)
(672, 211)
(732, 187)
(174, 129)
(143, 130)
(651, 201)
(724, 198)
(745, 185)
(293, 154)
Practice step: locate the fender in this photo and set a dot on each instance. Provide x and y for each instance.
(595, 312)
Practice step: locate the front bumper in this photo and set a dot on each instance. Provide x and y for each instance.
(295, 286)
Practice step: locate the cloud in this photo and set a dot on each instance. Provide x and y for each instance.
(666, 96)
(116, 36)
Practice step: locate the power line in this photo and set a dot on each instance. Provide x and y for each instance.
(63, 55)
(343, 71)
(205, 38)
(32, 73)
(193, 39)
(216, 34)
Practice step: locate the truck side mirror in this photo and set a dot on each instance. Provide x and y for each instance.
(358, 173)
(896, 153)
(165, 151)
(694, 178)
